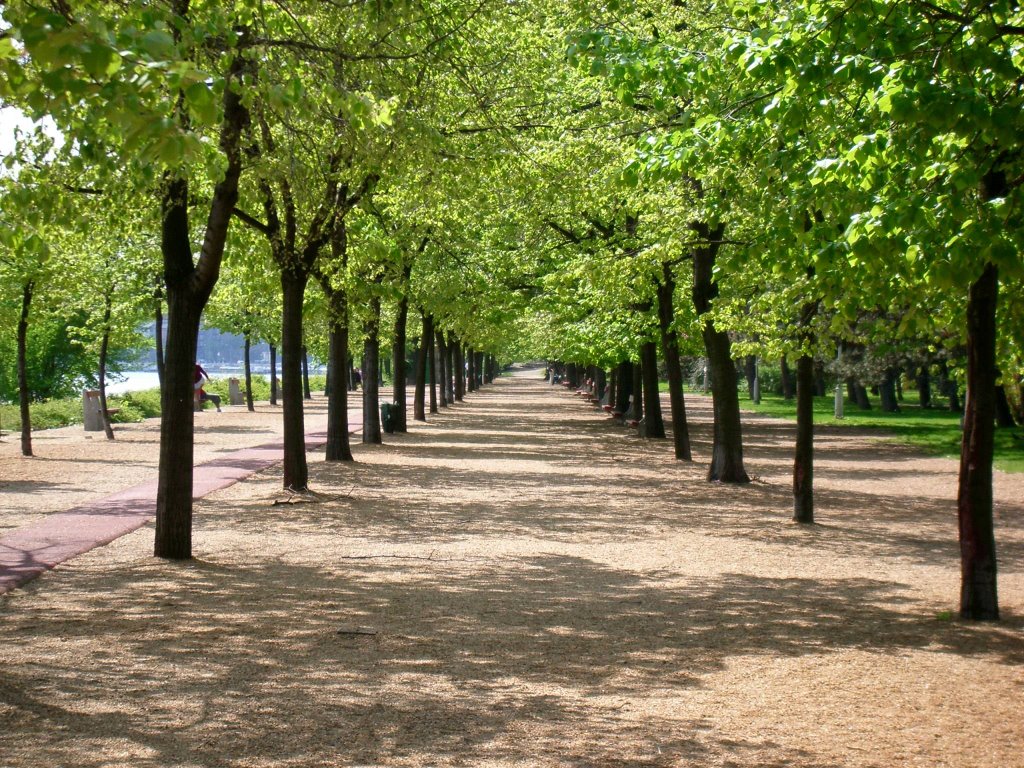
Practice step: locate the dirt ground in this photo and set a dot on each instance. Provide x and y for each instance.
(521, 582)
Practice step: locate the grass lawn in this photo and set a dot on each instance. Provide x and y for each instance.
(936, 431)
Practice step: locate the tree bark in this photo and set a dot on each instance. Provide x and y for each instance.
(887, 392)
(306, 394)
(371, 375)
(786, 379)
(978, 598)
(670, 351)
(23, 390)
(442, 367)
(419, 397)
(460, 371)
(803, 465)
(624, 386)
(428, 330)
(654, 425)
(924, 387)
(727, 445)
(293, 288)
(398, 375)
(273, 374)
(1004, 414)
(249, 404)
(338, 447)
(108, 430)
(158, 329)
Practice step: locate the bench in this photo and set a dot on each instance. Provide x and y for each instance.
(92, 417)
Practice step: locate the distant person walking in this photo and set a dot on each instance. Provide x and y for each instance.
(200, 374)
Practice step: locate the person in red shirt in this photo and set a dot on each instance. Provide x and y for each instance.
(201, 374)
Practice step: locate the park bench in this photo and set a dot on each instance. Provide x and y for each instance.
(92, 416)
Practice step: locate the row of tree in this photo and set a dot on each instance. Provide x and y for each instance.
(535, 179)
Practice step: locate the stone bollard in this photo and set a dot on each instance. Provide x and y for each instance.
(91, 416)
(235, 393)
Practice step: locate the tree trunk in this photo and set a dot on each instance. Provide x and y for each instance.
(273, 374)
(460, 371)
(750, 374)
(338, 447)
(293, 287)
(670, 351)
(250, 405)
(371, 375)
(1004, 414)
(727, 445)
(924, 387)
(306, 394)
(978, 599)
(23, 391)
(786, 379)
(803, 466)
(442, 367)
(398, 393)
(418, 403)
(887, 392)
(428, 329)
(108, 430)
(654, 425)
(624, 380)
(470, 370)
(450, 372)
(861, 395)
(158, 330)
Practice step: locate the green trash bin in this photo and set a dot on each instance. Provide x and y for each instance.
(388, 416)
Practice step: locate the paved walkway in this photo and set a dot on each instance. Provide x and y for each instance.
(29, 551)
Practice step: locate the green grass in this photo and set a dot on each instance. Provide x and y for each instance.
(934, 430)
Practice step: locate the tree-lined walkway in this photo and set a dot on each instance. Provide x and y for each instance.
(521, 582)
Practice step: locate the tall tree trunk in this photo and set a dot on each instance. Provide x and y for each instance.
(727, 446)
(654, 425)
(338, 447)
(624, 386)
(887, 392)
(419, 397)
(432, 361)
(104, 348)
(449, 380)
(470, 370)
(158, 329)
(924, 387)
(460, 370)
(398, 375)
(371, 375)
(306, 394)
(442, 367)
(23, 391)
(249, 404)
(786, 379)
(1004, 414)
(803, 465)
(293, 287)
(670, 351)
(188, 286)
(273, 374)
(978, 599)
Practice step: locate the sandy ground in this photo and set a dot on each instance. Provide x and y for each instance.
(521, 582)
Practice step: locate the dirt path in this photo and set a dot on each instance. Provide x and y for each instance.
(520, 582)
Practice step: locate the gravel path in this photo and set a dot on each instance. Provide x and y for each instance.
(521, 582)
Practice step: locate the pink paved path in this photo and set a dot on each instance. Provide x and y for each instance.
(28, 551)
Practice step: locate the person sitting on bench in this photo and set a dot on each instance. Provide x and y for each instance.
(203, 396)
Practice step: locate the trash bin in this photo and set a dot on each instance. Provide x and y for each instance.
(387, 417)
